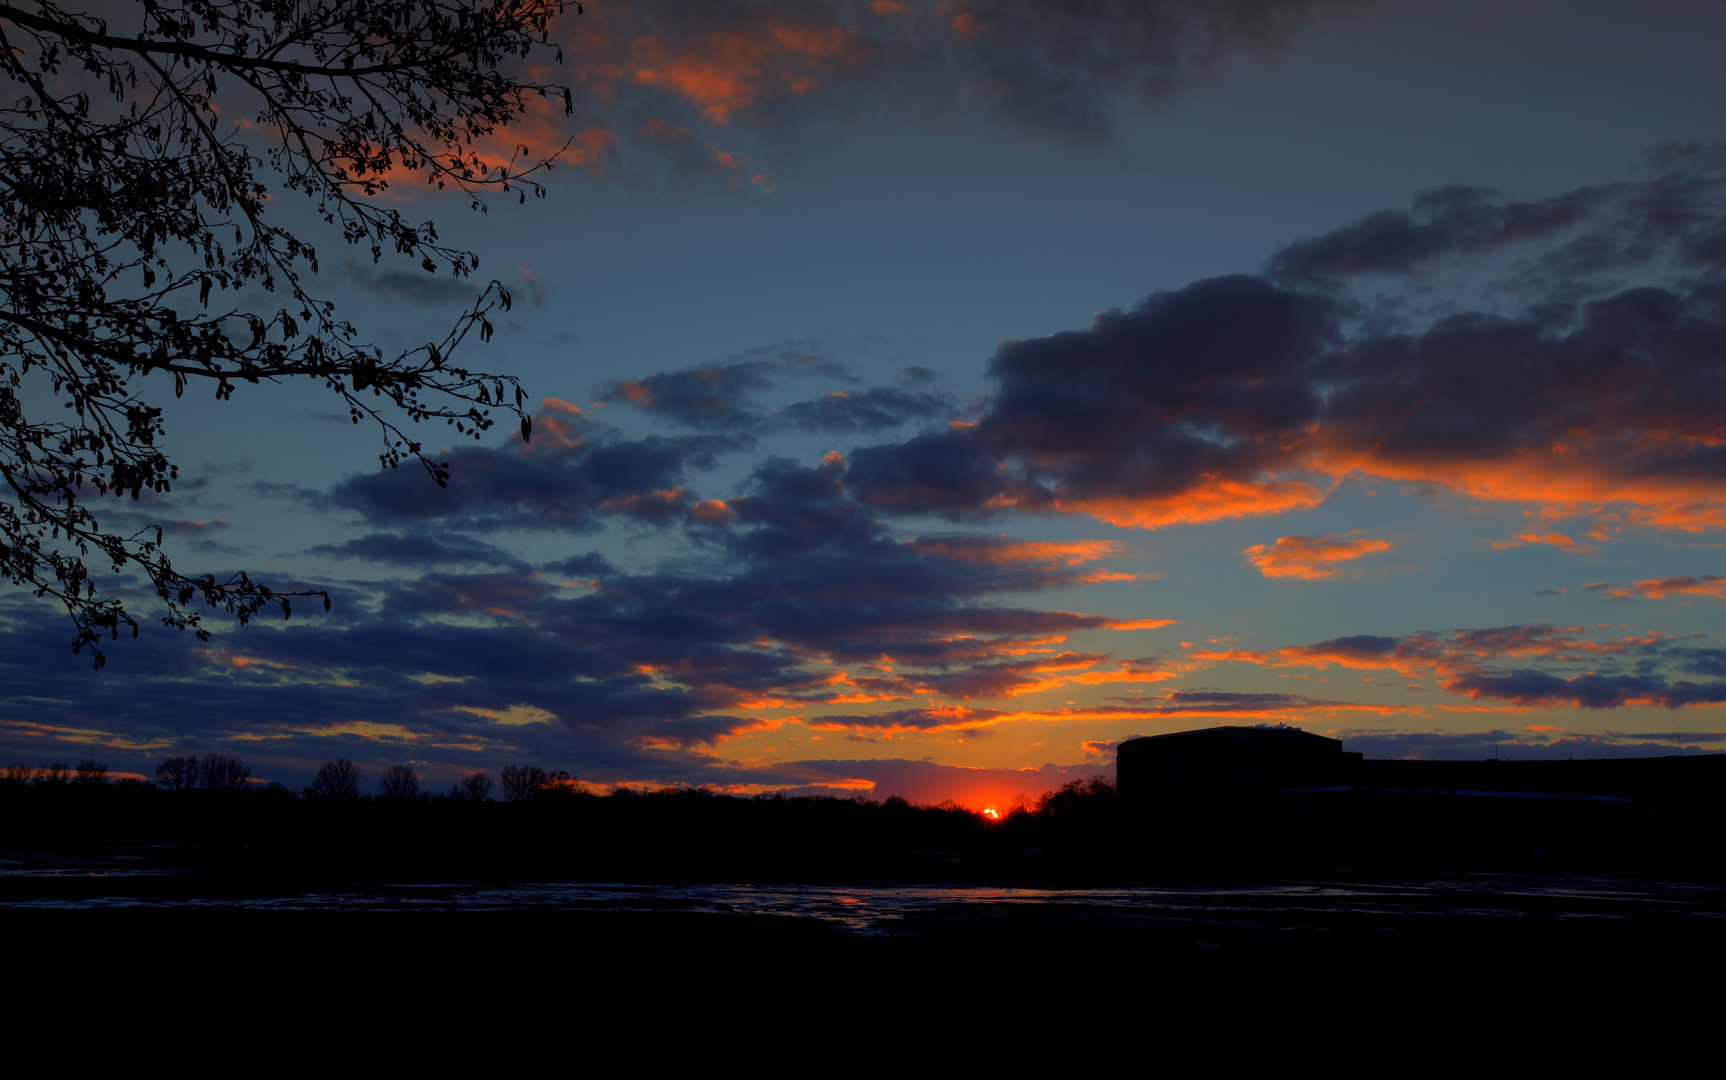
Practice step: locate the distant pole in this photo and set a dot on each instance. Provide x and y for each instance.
(1495, 744)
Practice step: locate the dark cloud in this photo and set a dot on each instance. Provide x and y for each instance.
(1701, 661)
(1451, 221)
(1241, 395)
(396, 549)
(1133, 413)
(1477, 664)
(675, 93)
(873, 410)
(1526, 687)
(714, 398)
(573, 475)
(723, 397)
(1569, 238)
(807, 603)
(591, 564)
(202, 534)
(420, 288)
(1509, 746)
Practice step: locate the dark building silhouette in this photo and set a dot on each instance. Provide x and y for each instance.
(1250, 761)
(1228, 760)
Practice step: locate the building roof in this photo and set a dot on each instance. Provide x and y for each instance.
(1222, 734)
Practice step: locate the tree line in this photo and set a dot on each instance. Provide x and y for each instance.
(336, 780)
(343, 780)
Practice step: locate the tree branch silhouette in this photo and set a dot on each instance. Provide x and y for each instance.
(122, 177)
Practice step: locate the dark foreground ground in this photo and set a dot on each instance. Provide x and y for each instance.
(342, 979)
(221, 933)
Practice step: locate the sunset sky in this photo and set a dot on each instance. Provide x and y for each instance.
(934, 394)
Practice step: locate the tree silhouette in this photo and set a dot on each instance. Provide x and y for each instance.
(178, 773)
(399, 782)
(522, 781)
(92, 773)
(561, 784)
(338, 779)
(224, 773)
(132, 198)
(474, 788)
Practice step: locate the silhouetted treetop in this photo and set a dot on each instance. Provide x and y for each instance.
(399, 782)
(224, 773)
(521, 781)
(475, 787)
(178, 773)
(338, 779)
(132, 197)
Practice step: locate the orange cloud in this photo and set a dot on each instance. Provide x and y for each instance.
(1214, 499)
(1661, 588)
(1309, 558)
(711, 512)
(1554, 539)
(1004, 550)
(1565, 479)
(726, 71)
